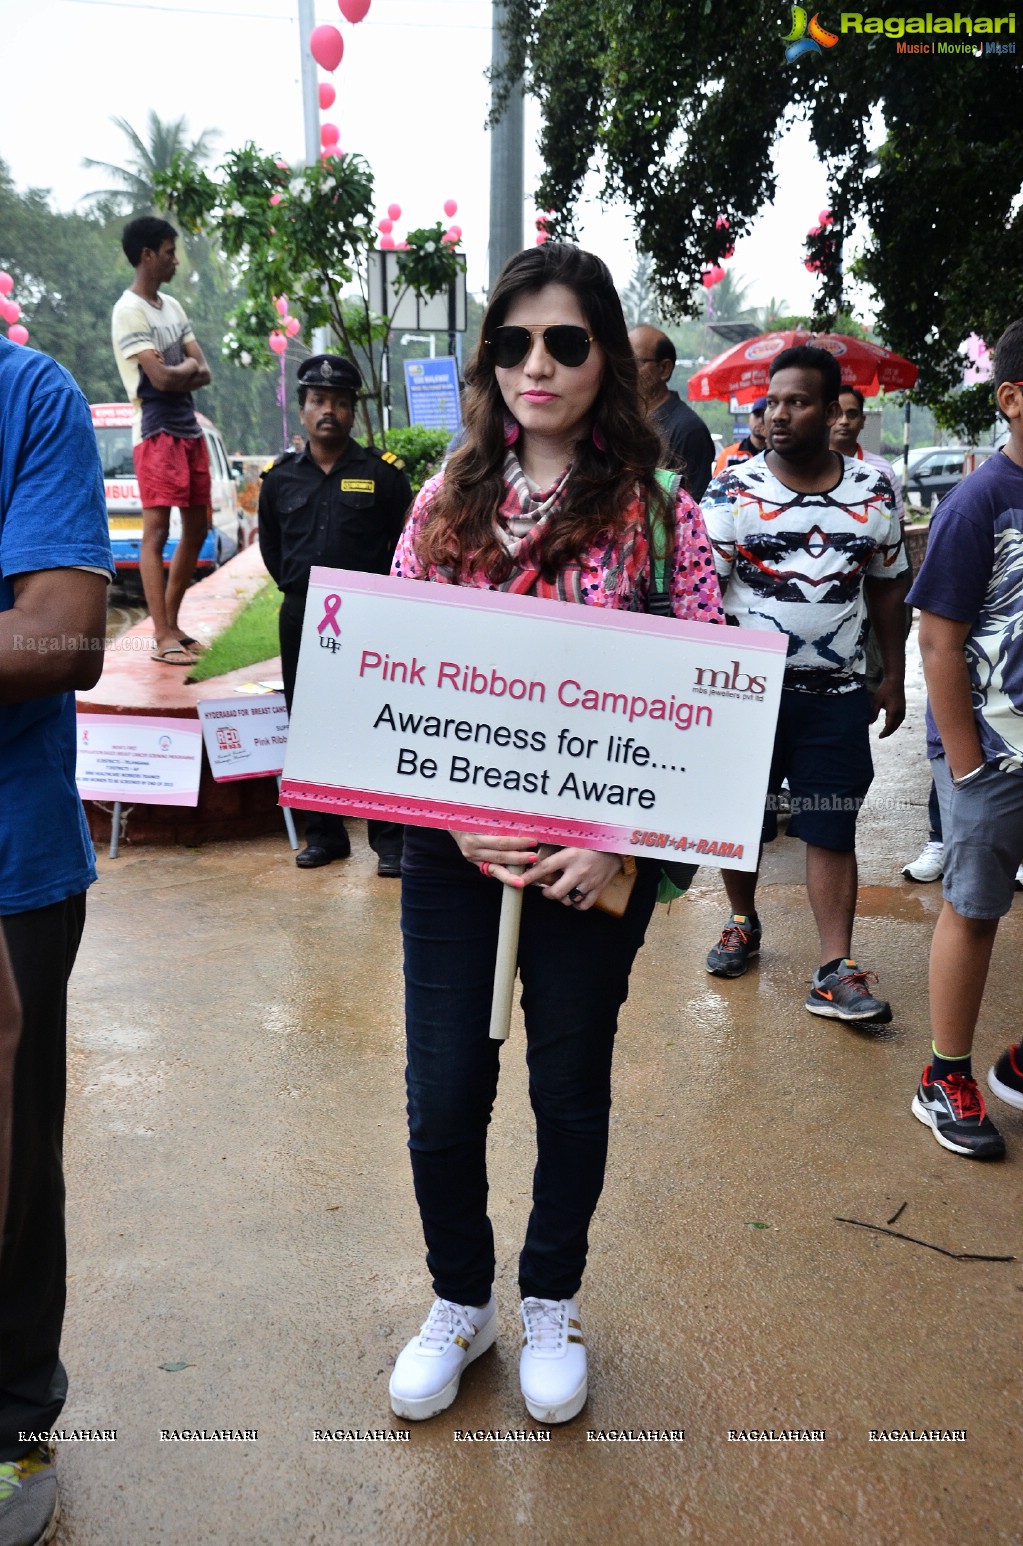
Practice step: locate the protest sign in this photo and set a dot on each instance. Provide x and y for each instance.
(139, 757)
(244, 740)
(451, 706)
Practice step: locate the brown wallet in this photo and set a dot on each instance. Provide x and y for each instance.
(614, 898)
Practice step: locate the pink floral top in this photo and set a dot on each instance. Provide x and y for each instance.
(614, 573)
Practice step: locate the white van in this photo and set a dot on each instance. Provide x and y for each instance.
(231, 527)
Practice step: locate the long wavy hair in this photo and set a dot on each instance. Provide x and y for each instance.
(609, 466)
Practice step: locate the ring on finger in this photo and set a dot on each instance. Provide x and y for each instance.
(575, 896)
(485, 868)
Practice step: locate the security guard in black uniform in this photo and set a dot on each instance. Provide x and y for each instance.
(343, 505)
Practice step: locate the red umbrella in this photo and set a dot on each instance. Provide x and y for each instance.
(742, 371)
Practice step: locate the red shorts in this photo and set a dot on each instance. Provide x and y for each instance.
(172, 471)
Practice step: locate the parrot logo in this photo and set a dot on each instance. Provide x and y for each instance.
(799, 43)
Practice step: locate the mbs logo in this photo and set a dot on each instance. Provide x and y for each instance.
(807, 37)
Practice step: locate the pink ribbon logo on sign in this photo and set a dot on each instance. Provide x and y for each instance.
(331, 606)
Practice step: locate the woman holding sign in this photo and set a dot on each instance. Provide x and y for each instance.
(552, 492)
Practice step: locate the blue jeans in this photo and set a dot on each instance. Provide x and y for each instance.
(575, 977)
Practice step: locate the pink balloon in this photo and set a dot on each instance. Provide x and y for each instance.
(292, 326)
(326, 46)
(387, 242)
(448, 240)
(450, 208)
(353, 10)
(402, 247)
(331, 150)
(281, 305)
(386, 226)
(721, 223)
(18, 334)
(541, 221)
(329, 133)
(283, 166)
(6, 283)
(327, 95)
(456, 231)
(394, 210)
(12, 311)
(277, 342)
(712, 276)
(275, 199)
(729, 252)
(4, 303)
(541, 237)
(825, 217)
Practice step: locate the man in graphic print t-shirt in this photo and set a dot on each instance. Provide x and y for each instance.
(161, 365)
(808, 543)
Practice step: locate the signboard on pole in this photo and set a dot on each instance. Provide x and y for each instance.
(451, 706)
(431, 388)
(141, 758)
(390, 297)
(245, 740)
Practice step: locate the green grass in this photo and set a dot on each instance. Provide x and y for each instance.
(251, 637)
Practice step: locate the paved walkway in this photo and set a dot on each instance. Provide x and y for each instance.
(245, 1249)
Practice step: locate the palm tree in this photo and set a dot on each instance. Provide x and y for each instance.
(135, 180)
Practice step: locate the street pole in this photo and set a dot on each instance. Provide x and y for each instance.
(311, 119)
(310, 94)
(506, 159)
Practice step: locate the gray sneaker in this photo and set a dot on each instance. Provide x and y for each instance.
(846, 995)
(29, 1508)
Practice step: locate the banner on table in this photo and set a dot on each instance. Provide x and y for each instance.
(139, 758)
(449, 706)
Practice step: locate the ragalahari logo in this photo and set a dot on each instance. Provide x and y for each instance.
(807, 37)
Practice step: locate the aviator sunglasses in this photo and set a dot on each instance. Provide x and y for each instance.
(565, 343)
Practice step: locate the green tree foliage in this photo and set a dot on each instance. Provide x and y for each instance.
(311, 244)
(66, 280)
(421, 450)
(681, 101)
(135, 181)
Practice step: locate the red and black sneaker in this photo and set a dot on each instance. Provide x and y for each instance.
(740, 940)
(1006, 1078)
(953, 1108)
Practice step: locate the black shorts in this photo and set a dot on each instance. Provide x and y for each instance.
(822, 746)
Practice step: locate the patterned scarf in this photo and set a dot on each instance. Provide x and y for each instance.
(523, 518)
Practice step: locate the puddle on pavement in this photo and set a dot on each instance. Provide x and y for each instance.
(909, 904)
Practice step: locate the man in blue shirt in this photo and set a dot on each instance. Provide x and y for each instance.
(971, 607)
(55, 564)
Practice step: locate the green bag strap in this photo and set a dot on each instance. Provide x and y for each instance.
(675, 878)
(659, 598)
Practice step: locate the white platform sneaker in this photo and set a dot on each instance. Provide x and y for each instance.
(424, 1380)
(552, 1366)
(929, 865)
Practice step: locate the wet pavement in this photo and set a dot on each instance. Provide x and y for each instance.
(245, 1249)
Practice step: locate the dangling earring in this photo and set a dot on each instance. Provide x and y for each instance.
(598, 439)
(512, 430)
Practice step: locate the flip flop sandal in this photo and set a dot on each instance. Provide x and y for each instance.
(195, 645)
(173, 655)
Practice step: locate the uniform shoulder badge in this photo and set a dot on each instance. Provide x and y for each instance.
(388, 457)
(285, 456)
